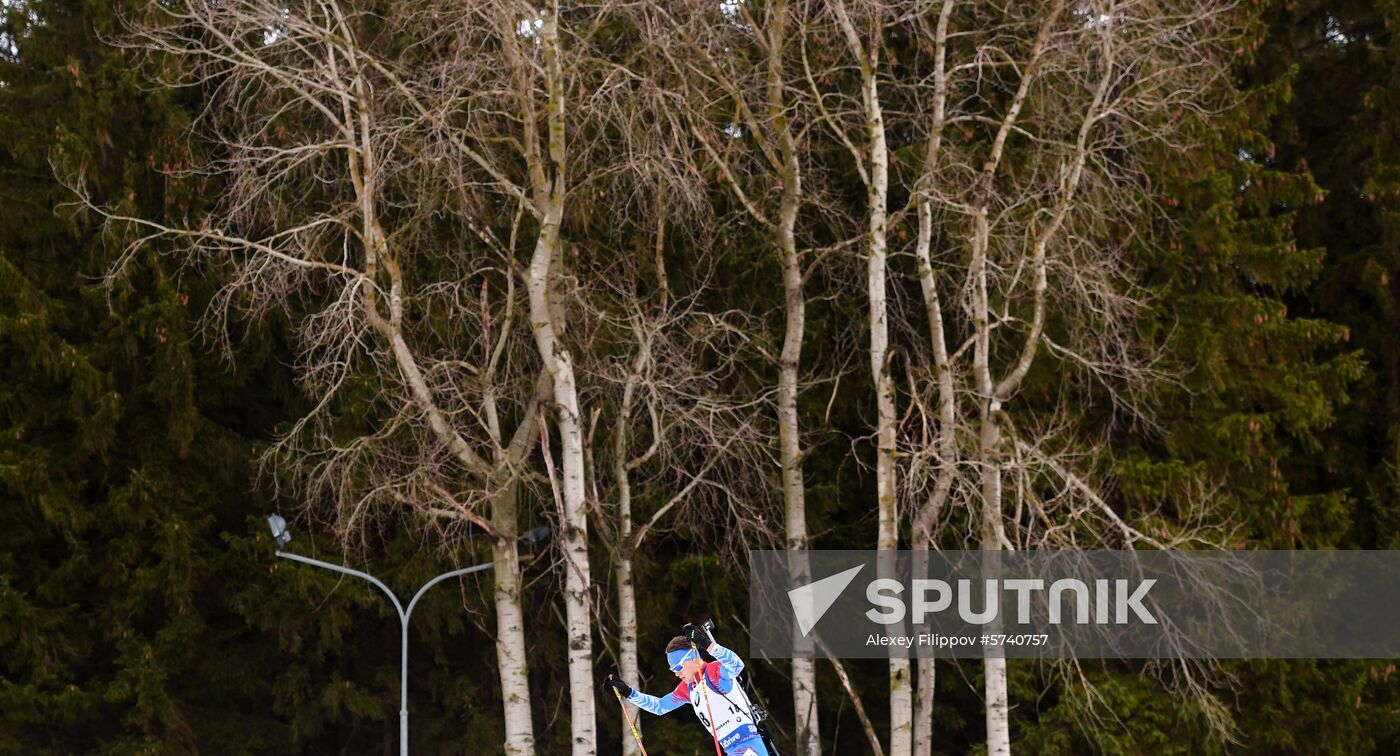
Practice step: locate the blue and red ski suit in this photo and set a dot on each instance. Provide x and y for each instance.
(738, 733)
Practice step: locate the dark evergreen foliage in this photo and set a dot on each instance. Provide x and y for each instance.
(142, 609)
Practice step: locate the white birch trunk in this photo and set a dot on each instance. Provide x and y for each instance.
(901, 702)
(992, 537)
(927, 517)
(624, 547)
(804, 671)
(547, 318)
(559, 364)
(804, 693)
(804, 689)
(923, 707)
(511, 658)
(627, 643)
(994, 665)
(901, 691)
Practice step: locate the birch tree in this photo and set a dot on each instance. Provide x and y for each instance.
(938, 437)
(525, 108)
(382, 175)
(323, 216)
(734, 67)
(408, 331)
(539, 94)
(861, 28)
(1033, 249)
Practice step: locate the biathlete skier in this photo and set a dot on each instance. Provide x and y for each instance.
(733, 723)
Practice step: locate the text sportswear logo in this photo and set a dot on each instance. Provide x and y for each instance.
(811, 601)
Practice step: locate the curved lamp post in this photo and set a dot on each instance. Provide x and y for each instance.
(282, 536)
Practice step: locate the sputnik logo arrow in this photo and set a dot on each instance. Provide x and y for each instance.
(811, 601)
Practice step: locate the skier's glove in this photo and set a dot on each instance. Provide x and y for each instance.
(617, 684)
(697, 635)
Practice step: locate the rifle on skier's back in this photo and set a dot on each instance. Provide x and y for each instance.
(756, 712)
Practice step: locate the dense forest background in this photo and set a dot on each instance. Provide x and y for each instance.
(142, 609)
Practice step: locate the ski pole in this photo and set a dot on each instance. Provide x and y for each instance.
(705, 694)
(628, 717)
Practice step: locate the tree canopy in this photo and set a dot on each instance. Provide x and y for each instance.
(145, 431)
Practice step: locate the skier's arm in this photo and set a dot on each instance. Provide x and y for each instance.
(658, 705)
(730, 660)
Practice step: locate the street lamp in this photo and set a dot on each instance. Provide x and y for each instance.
(282, 536)
(279, 530)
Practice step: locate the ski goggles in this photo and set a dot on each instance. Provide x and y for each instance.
(679, 657)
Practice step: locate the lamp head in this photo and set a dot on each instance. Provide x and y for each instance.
(278, 526)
